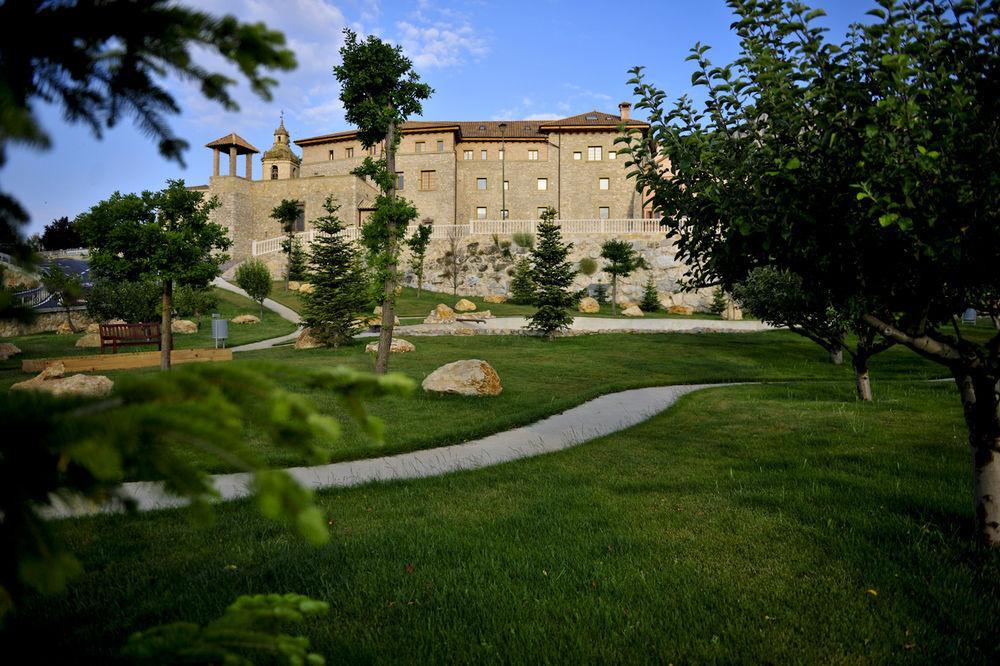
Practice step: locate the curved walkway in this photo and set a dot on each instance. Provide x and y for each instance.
(516, 325)
(282, 311)
(595, 418)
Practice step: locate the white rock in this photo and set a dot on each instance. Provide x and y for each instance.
(398, 346)
(467, 377)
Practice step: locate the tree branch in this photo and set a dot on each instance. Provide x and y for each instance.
(923, 345)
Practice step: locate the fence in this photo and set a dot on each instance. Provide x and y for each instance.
(488, 228)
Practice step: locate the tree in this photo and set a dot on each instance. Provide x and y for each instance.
(253, 277)
(456, 261)
(522, 285)
(718, 305)
(650, 298)
(418, 244)
(622, 260)
(65, 287)
(587, 266)
(340, 285)
(100, 62)
(287, 214)
(298, 261)
(61, 234)
(379, 91)
(553, 277)
(870, 169)
(164, 236)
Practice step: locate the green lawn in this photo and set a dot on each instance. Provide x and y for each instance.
(777, 523)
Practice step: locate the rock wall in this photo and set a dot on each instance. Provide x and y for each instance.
(43, 324)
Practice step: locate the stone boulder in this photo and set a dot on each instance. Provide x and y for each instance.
(633, 311)
(52, 380)
(442, 314)
(468, 377)
(293, 285)
(65, 329)
(681, 309)
(246, 319)
(307, 341)
(89, 340)
(93, 328)
(465, 305)
(305, 288)
(398, 346)
(484, 314)
(7, 350)
(588, 305)
(625, 305)
(494, 298)
(183, 327)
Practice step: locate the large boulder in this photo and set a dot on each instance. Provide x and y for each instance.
(183, 327)
(468, 377)
(633, 311)
(398, 346)
(305, 288)
(293, 285)
(494, 298)
(484, 314)
(65, 329)
(307, 341)
(93, 328)
(89, 340)
(377, 319)
(442, 314)
(465, 305)
(52, 380)
(588, 305)
(625, 305)
(681, 309)
(7, 350)
(245, 319)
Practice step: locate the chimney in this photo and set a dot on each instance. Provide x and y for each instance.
(625, 110)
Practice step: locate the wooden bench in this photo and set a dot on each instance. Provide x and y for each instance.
(468, 319)
(129, 335)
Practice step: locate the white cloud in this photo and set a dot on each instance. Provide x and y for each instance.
(435, 36)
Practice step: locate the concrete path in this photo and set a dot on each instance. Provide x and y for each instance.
(615, 324)
(594, 418)
(283, 311)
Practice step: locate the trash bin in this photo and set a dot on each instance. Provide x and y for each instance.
(220, 330)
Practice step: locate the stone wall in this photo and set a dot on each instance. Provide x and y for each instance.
(43, 324)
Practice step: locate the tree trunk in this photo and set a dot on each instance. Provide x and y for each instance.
(288, 260)
(69, 319)
(614, 295)
(420, 279)
(389, 297)
(861, 379)
(166, 335)
(980, 403)
(836, 356)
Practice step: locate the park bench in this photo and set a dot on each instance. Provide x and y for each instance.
(129, 335)
(470, 318)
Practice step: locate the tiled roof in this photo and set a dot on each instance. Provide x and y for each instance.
(490, 129)
(233, 139)
(594, 118)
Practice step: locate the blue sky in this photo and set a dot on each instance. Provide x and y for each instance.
(486, 59)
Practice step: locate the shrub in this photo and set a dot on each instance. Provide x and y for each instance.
(601, 293)
(719, 302)
(130, 301)
(193, 301)
(553, 277)
(525, 240)
(253, 277)
(650, 299)
(522, 285)
(588, 266)
(298, 260)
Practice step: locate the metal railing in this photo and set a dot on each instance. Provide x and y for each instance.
(33, 297)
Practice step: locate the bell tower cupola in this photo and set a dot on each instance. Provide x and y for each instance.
(280, 162)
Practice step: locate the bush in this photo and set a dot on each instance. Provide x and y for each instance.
(650, 299)
(522, 285)
(253, 277)
(719, 302)
(601, 293)
(298, 261)
(588, 266)
(525, 240)
(193, 301)
(131, 301)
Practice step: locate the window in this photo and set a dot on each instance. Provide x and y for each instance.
(603, 183)
(504, 214)
(480, 183)
(400, 181)
(543, 183)
(533, 155)
(274, 172)
(593, 153)
(300, 219)
(604, 212)
(440, 146)
(419, 146)
(331, 154)
(612, 154)
(481, 213)
(483, 154)
(577, 155)
(541, 211)
(427, 179)
(348, 152)
(506, 184)
(467, 154)
(500, 155)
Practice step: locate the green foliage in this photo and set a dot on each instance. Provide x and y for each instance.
(650, 298)
(251, 628)
(588, 266)
(601, 293)
(61, 234)
(103, 61)
(622, 260)
(456, 261)
(286, 214)
(339, 281)
(418, 244)
(65, 287)
(524, 240)
(719, 301)
(133, 302)
(83, 448)
(298, 262)
(522, 284)
(191, 301)
(380, 236)
(11, 307)
(253, 277)
(553, 277)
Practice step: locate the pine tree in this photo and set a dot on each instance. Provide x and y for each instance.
(601, 293)
(298, 261)
(418, 244)
(553, 277)
(522, 286)
(719, 302)
(650, 299)
(339, 282)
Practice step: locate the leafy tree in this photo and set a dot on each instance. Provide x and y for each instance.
(163, 236)
(100, 62)
(339, 282)
(298, 261)
(61, 234)
(650, 297)
(287, 213)
(131, 301)
(718, 304)
(254, 277)
(77, 449)
(379, 91)
(65, 287)
(869, 168)
(11, 307)
(587, 266)
(622, 260)
(553, 277)
(522, 284)
(456, 261)
(191, 301)
(418, 244)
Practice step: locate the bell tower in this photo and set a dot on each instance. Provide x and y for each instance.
(280, 163)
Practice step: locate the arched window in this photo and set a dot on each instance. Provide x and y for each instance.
(274, 172)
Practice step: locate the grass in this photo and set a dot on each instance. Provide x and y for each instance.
(773, 523)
